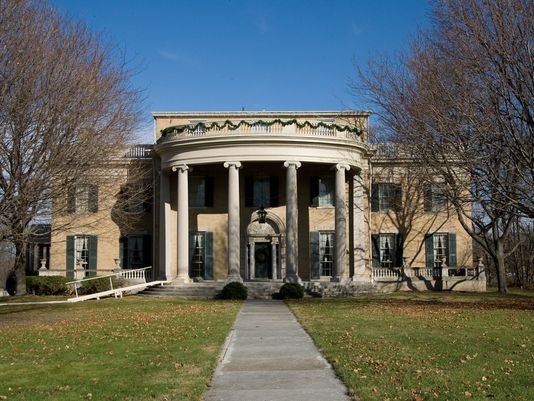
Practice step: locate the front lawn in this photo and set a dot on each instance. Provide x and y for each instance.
(427, 346)
(115, 349)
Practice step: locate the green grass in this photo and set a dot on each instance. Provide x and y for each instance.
(427, 346)
(130, 349)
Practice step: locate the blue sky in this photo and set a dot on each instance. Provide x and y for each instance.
(260, 55)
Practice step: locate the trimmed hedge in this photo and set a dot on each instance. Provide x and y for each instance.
(99, 285)
(292, 291)
(47, 285)
(234, 290)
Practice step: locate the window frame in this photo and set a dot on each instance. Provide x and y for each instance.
(327, 265)
(386, 196)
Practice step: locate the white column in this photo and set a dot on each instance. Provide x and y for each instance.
(164, 249)
(252, 271)
(274, 241)
(291, 222)
(234, 243)
(183, 223)
(342, 271)
(360, 238)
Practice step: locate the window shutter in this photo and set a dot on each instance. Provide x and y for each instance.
(273, 191)
(399, 250)
(375, 198)
(70, 256)
(208, 250)
(452, 250)
(429, 250)
(398, 197)
(123, 251)
(314, 191)
(71, 200)
(93, 252)
(93, 198)
(314, 250)
(147, 250)
(249, 191)
(191, 252)
(428, 197)
(208, 192)
(375, 239)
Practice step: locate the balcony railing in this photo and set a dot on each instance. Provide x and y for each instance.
(383, 273)
(295, 127)
(139, 152)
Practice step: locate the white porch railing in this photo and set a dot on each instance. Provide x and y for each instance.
(423, 272)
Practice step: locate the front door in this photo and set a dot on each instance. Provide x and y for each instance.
(262, 260)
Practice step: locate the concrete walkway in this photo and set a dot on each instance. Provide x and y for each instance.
(269, 357)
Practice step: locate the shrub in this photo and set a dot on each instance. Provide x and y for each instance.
(99, 285)
(292, 291)
(234, 290)
(48, 285)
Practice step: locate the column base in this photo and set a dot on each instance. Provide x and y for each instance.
(292, 279)
(341, 280)
(182, 280)
(234, 278)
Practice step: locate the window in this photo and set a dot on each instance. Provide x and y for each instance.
(322, 247)
(385, 196)
(201, 255)
(135, 251)
(261, 191)
(81, 250)
(200, 191)
(326, 253)
(387, 250)
(322, 191)
(435, 198)
(83, 199)
(440, 247)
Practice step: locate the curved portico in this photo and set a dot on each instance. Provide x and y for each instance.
(263, 164)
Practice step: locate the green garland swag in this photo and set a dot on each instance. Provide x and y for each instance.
(228, 124)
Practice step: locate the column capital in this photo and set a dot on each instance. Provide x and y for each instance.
(181, 167)
(232, 164)
(295, 163)
(342, 166)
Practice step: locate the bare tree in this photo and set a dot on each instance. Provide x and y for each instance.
(462, 99)
(65, 109)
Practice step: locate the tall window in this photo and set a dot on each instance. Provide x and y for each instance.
(439, 248)
(135, 251)
(200, 191)
(385, 196)
(81, 251)
(387, 250)
(81, 246)
(83, 199)
(326, 253)
(322, 191)
(201, 254)
(435, 198)
(261, 191)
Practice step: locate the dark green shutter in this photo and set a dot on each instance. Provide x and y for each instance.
(314, 191)
(375, 240)
(273, 189)
(428, 197)
(93, 198)
(93, 253)
(397, 205)
(208, 191)
(70, 256)
(429, 250)
(452, 250)
(147, 250)
(399, 250)
(71, 200)
(208, 260)
(314, 251)
(249, 191)
(191, 252)
(123, 251)
(375, 198)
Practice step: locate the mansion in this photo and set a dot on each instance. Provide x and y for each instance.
(268, 196)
